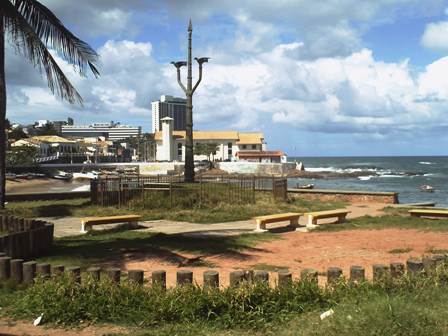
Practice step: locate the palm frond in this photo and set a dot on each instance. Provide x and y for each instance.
(28, 43)
(54, 34)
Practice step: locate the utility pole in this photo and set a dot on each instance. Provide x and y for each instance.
(189, 91)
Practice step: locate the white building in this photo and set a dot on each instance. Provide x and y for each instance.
(170, 145)
(110, 131)
(49, 145)
(172, 107)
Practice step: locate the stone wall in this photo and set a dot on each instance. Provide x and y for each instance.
(40, 196)
(348, 196)
(160, 168)
(256, 168)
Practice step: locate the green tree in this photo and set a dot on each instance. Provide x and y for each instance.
(17, 134)
(33, 29)
(22, 156)
(47, 129)
(208, 149)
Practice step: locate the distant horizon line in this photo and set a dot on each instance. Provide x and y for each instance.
(365, 156)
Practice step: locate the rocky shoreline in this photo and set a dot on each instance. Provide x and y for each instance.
(329, 175)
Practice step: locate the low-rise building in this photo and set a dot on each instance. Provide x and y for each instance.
(262, 156)
(110, 131)
(170, 145)
(49, 145)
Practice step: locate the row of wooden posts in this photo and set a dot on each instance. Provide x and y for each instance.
(14, 224)
(25, 272)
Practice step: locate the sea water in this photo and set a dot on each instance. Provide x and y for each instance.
(404, 175)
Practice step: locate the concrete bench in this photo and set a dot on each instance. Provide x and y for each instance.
(292, 217)
(443, 213)
(340, 214)
(88, 222)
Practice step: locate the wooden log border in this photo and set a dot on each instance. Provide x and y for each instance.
(18, 271)
(22, 238)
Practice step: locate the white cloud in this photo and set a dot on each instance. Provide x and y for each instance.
(434, 81)
(436, 36)
(130, 78)
(351, 94)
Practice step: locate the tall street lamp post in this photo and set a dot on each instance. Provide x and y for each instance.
(189, 91)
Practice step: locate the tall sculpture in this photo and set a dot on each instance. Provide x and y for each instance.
(189, 91)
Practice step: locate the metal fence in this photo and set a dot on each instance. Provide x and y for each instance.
(169, 191)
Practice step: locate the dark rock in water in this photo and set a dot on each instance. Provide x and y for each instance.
(365, 167)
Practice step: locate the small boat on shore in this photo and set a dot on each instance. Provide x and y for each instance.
(427, 188)
(64, 176)
(11, 176)
(306, 186)
(86, 176)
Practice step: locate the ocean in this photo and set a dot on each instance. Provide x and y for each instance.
(404, 175)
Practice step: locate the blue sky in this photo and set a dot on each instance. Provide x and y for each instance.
(317, 77)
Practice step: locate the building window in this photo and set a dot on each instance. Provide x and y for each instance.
(229, 149)
(254, 146)
(179, 149)
(244, 146)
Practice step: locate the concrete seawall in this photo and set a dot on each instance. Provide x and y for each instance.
(256, 168)
(345, 195)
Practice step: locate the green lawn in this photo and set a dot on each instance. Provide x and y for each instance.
(386, 222)
(407, 307)
(223, 212)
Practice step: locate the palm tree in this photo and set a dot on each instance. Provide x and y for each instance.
(33, 29)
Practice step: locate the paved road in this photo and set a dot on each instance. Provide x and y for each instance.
(69, 226)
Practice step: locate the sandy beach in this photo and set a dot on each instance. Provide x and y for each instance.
(44, 185)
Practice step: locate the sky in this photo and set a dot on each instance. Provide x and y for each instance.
(318, 78)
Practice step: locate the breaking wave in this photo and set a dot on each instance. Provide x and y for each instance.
(363, 173)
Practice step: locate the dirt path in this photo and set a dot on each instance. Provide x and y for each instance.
(13, 328)
(317, 250)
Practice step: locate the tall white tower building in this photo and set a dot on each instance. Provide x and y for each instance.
(169, 106)
(167, 139)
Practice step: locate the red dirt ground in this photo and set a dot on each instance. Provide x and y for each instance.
(13, 328)
(317, 250)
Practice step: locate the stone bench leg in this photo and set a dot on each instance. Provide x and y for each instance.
(85, 227)
(312, 222)
(261, 227)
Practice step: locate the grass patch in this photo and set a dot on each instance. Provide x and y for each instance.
(393, 211)
(221, 212)
(115, 245)
(434, 250)
(268, 267)
(408, 306)
(387, 222)
(400, 250)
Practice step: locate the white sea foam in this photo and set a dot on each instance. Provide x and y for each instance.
(426, 163)
(366, 178)
(321, 169)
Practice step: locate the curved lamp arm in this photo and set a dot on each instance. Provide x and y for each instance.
(200, 62)
(178, 65)
(199, 79)
(179, 81)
